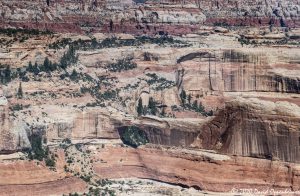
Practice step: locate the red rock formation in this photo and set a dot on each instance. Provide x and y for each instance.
(244, 128)
(186, 168)
(57, 187)
(29, 178)
(70, 16)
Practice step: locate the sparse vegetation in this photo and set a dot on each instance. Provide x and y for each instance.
(16, 107)
(38, 152)
(221, 24)
(183, 96)
(20, 91)
(150, 57)
(122, 65)
(67, 59)
(114, 42)
(186, 104)
(86, 178)
(150, 109)
(133, 136)
(5, 74)
(244, 41)
(140, 107)
(13, 32)
(50, 161)
(159, 83)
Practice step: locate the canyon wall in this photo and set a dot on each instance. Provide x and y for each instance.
(151, 17)
(201, 170)
(255, 128)
(211, 87)
(236, 71)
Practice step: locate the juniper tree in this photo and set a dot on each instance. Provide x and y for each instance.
(195, 105)
(140, 107)
(30, 67)
(20, 91)
(152, 106)
(74, 75)
(201, 108)
(183, 96)
(7, 74)
(189, 98)
(36, 69)
(46, 65)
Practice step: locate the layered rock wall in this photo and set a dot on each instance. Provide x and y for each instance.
(84, 125)
(202, 170)
(150, 18)
(235, 71)
(260, 129)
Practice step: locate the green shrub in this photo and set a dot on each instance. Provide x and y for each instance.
(20, 91)
(122, 65)
(37, 151)
(13, 32)
(86, 178)
(140, 107)
(114, 42)
(133, 136)
(66, 60)
(16, 107)
(5, 75)
(159, 83)
(50, 162)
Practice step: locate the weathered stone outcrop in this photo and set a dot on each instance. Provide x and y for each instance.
(218, 77)
(171, 132)
(202, 170)
(174, 17)
(83, 125)
(13, 135)
(57, 187)
(245, 127)
(236, 71)
(23, 177)
(255, 128)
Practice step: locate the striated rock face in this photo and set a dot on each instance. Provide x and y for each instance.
(29, 178)
(255, 128)
(252, 12)
(214, 86)
(57, 187)
(89, 124)
(179, 132)
(245, 127)
(149, 17)
(236, 71)
(13, 135)
(202, 170)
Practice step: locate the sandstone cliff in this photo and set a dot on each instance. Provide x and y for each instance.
(207, 86)
(174, 17)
